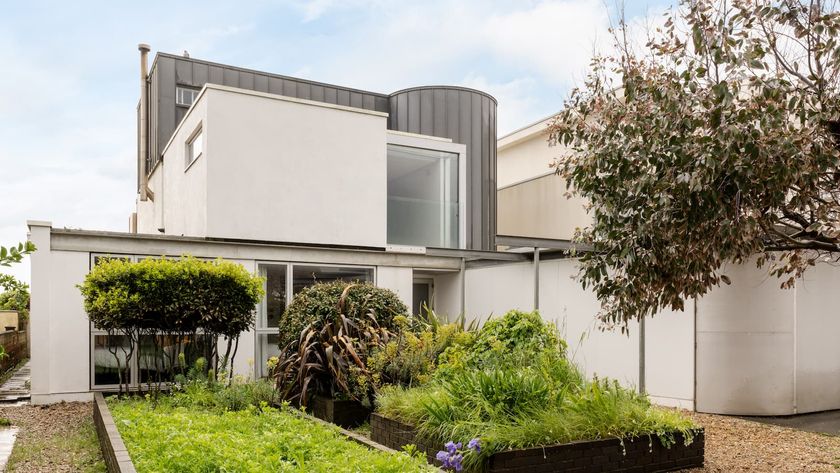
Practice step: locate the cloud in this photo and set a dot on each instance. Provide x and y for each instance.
(516, 102)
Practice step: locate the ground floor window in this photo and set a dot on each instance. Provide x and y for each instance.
(156, 357)
(282, 282)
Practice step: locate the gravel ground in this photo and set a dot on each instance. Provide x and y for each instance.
(55, 438)
(734, 445)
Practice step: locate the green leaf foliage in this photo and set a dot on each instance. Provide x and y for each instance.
(511, 386)
(184, 295)
(323, 302)
(15, 295)
(15, 254)
(716, 142)
(191, 431)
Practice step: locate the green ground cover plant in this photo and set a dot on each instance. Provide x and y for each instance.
(511, 386)
(197, 429)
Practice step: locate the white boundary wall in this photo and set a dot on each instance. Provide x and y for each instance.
(669, 342)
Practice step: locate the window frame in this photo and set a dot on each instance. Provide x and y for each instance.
(194, 91)
(262, 309)
(189, 159)
(445, 145)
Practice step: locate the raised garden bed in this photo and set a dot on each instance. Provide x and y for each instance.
(344, 413)
(641, 454)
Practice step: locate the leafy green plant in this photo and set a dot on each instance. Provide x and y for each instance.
(322, 302)
(15, 295)
(15, 254)
(181, 433)
(511, 386)
(172, 300)
(330, 361)
(411, 357)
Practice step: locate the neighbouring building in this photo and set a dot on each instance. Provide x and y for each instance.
(746, 348)
(301, 181)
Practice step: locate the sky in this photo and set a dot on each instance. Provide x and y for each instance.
(69, 84)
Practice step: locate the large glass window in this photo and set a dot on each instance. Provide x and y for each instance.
(422, 197)
(160, 355)
(282, 282)
(305, 276)
(110, 355)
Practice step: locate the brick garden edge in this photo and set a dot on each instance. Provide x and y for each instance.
(641, 454)
(111, 443)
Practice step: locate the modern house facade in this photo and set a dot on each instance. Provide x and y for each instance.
(301, 181)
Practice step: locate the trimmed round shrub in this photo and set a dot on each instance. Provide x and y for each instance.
(176, 296)
(320, 302)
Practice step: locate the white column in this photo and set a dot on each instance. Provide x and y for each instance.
(39, 314)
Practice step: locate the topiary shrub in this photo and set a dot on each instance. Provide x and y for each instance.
(175, 298)
(323, 302)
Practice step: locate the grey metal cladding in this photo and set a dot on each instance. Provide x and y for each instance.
(463, 115)
(169, 70)
(468, 117)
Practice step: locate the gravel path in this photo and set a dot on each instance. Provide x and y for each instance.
(55, 438)
(734, 445)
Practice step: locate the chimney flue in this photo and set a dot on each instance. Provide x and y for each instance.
(144, 120)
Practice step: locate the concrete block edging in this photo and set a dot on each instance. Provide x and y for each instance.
(113, 448)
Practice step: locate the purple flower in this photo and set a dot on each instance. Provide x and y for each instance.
(452, 447)
(474, 445)
(455, 462)
(442, 456)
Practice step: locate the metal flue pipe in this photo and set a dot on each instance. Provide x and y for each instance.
(144, 121)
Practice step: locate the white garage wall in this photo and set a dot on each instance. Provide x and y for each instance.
(745, 346)
(818, 340)
(669, 357)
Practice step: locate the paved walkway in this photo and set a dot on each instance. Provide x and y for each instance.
(17, 387)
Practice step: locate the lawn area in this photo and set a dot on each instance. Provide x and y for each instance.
(55, 438)
(191, 438)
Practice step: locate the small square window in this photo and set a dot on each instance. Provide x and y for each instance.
(195, 147)
(184, 96)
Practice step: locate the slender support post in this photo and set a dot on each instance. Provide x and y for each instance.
(642, 356)
(536, 279)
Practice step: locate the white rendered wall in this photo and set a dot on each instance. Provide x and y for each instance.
(399, 280)
(745, 346)
(599, 353)
(762, 350)
(494, 290)
(60, 334)
(669, 357)
(282, 170)
(448, 295)
(817, 357)
(183, 201)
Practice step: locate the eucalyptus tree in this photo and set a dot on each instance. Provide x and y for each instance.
(715, 142)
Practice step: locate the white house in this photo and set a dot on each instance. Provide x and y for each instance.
(302, 181)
